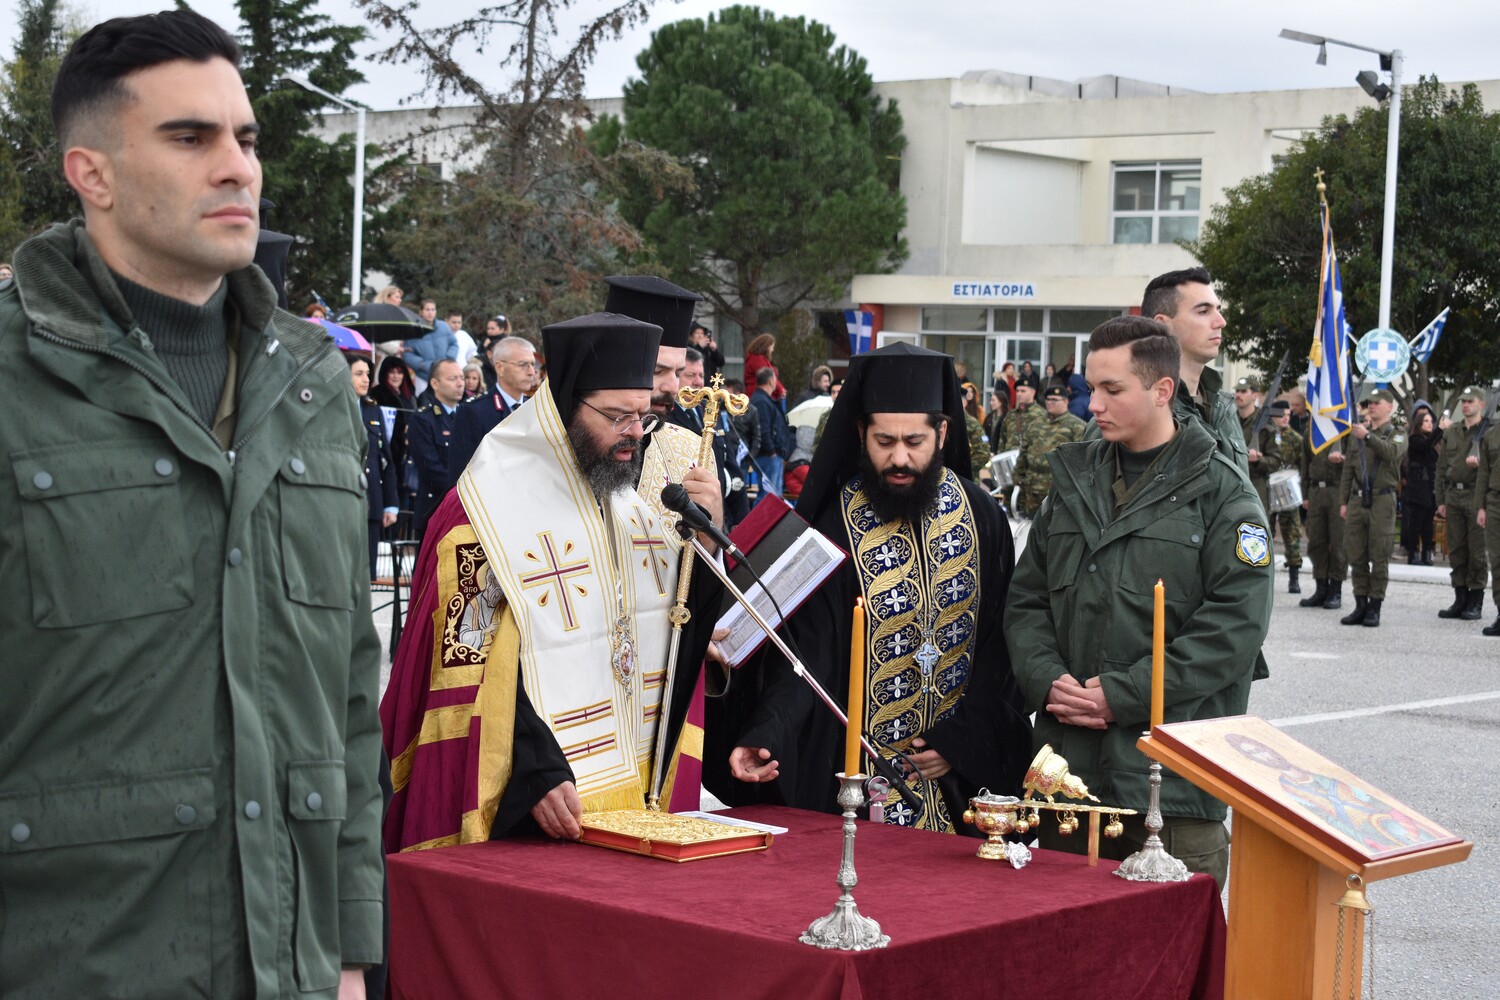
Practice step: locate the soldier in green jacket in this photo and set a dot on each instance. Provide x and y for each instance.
(1367, 502)
(1488, 516)
(1459, 501)
(1018, 423)
(1263, 454)
(1288, 522)
(1321, 475)
(189, 745)
(1057, 426)
(1154, 499)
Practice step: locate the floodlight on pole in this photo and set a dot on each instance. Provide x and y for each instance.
(1390, 62)
(356, 266)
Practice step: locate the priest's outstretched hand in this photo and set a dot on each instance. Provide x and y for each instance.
(559, 812)
(753, 764)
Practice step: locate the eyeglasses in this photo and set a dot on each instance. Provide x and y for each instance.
(648, 421)
(525, 366)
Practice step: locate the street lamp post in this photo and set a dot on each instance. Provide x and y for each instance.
(356, 268)
(1391, 63)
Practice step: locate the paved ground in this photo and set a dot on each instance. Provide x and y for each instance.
(1414, 708)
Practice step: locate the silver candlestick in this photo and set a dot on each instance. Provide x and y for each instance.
(1152, 863)
(846, 928)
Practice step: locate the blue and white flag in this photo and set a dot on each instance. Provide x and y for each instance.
(1423, 343)
(860, 324)
(1330, 399)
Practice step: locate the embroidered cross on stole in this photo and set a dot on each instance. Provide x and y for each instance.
(922, 601)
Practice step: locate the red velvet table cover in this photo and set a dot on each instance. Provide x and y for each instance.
(544, 919)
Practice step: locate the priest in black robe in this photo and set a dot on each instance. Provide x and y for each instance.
(932, 555)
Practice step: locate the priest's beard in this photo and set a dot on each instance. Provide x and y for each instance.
(901, 503)
(606, 474)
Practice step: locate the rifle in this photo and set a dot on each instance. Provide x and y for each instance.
(1272, 390)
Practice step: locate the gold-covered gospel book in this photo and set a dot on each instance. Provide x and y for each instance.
(669, 836)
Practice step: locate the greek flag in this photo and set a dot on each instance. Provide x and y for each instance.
(860, 324)
(1423, 343)
(1329, 395)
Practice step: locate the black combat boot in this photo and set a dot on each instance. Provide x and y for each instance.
(1460, 602)
(1492, 629)
(1318, 596)
(1427, 556)
(1357, 616)
(1335, 598)
(1372, 613)
(1292, 586)
(1413, 558)
(1475, 609)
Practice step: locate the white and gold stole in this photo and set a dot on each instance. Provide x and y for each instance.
(583, 585)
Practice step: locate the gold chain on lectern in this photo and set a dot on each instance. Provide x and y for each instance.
(1353, 899)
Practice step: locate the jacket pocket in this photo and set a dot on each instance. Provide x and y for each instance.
(103, 527)
(317, 801)
(1168, 549)
(116, 870)
(323, 516)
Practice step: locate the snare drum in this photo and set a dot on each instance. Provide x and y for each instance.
(1284, 491)
(1003, 467)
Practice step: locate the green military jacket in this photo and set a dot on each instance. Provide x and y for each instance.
(1270, 451)
(1289, 442)
(1459, 442)
(1489, 467)
(1217, 415)
(1081, 603)
(1318, 470)
(1032, 469)
(189, 744)
(1376, 457)
(979, 448)
(1017, 427)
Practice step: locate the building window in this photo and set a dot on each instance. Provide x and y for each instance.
(1156, 202)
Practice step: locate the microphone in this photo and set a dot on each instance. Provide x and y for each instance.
(674, 496)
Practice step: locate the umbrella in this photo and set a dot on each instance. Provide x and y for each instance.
(806, 414)
(381, 321)
(343, 337)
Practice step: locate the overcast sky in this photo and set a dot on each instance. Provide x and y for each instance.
(1215, 46)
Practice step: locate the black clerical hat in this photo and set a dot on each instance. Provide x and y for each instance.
(897, 378)
(654, 300)
(598, 351)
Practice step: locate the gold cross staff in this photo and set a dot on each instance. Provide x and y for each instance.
(711, 397)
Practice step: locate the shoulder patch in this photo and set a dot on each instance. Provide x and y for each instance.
(1252, 545)
(1398, 438)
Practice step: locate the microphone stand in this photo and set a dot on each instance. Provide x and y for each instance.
(882, 766)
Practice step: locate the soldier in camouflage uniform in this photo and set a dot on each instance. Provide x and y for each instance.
(1056, 426)
(979, 451)
(1263, 453)
(1321, 474)
(1458, 503)
(1017, 427)
(1288, 522)
(1367, 494)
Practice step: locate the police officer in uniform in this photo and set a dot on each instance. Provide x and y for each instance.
(1321, 474)
(427, 441)
(1288, 522)
(1367, 495)
(1263, 452)
(1459, 501)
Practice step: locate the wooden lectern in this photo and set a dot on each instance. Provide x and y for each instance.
(1302, 826)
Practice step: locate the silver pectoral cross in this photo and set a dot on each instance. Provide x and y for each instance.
(927, 657)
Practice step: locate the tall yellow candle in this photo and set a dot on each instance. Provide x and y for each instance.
(856, 689)
(1159, 656)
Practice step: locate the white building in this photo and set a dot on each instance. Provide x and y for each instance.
(1037, 208)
